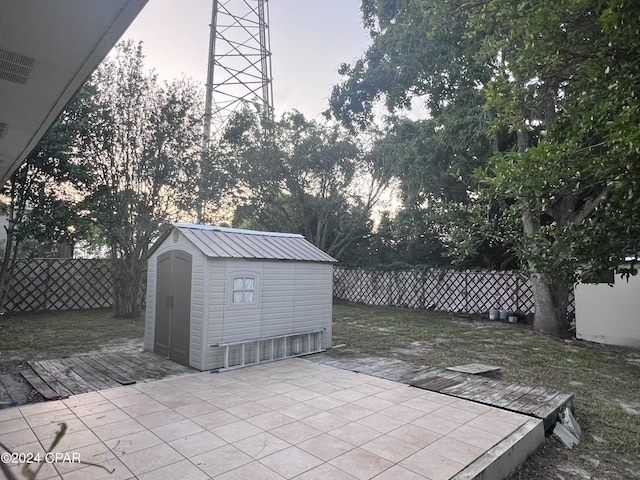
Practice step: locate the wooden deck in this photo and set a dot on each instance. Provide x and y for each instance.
(538, 402)
(87, 373)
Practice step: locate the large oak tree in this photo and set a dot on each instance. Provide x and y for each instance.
(554, 88)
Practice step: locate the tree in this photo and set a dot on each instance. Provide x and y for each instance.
(302, 176)
(420, 50)
(434, 161)
(566, 85)
(41, 215)
(558, 81)
(144, 155)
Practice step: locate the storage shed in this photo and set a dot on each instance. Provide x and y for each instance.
(220, 297)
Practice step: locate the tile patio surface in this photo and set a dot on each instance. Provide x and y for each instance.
(282, 420)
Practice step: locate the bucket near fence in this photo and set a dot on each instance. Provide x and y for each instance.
(494, 314)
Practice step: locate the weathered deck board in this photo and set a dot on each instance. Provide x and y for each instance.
(62, 376)
(538, 402)
(438, 383)
(123, 363)
(95, 379)
(531, 396)
(36, 382)
(153, 365)
(110, 370)
(86, 373)
(50, 379)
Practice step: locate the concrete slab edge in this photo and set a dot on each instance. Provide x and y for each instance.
(503, 459)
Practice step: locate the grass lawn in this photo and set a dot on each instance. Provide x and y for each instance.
(36, 336)
(604, 379)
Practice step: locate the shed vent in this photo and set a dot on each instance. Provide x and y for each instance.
(4, 127)
(15, 67)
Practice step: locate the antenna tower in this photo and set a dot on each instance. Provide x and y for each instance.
(239, 71)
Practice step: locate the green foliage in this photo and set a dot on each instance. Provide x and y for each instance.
(301, 176)
(419, 49)
(143, 155)
(42, 213)
(569, 79)
(540, 98)
(422, 50)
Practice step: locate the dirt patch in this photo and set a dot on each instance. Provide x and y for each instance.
(629, 407)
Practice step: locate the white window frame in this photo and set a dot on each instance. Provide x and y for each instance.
(244, 290)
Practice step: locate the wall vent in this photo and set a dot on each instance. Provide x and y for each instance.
(15, 67)
(4, 128)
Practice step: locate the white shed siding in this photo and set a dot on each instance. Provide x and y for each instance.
(216, 274)
(150, 312)
(241, 321)
(215, 304)
(313, 299)
(199, 287)
(291, 297)
(278, 285)
(293, 290)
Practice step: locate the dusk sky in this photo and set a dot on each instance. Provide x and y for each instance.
(309, 40)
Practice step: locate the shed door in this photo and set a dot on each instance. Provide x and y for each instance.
(173, 306)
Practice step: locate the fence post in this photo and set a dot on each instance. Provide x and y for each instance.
(466, 291)
(45, 294)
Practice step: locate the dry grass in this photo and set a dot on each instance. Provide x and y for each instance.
(34, 336)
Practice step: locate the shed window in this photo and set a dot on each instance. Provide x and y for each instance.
(244, 289)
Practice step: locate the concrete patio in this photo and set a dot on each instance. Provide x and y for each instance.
(289, 419)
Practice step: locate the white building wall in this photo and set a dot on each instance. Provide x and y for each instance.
(607, 314)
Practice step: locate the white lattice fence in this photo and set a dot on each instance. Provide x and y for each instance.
(446, 290)
(60, 284)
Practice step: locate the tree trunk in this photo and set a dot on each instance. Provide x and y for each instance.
(6, 268)
(551, 299)
(126, 287)
(551, 296)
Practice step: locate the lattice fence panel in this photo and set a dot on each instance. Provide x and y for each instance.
(60, 284)
(444, 290)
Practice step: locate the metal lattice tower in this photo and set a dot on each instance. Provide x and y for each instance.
(239, 70)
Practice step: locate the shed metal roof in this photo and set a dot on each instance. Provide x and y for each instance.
(223, 242)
